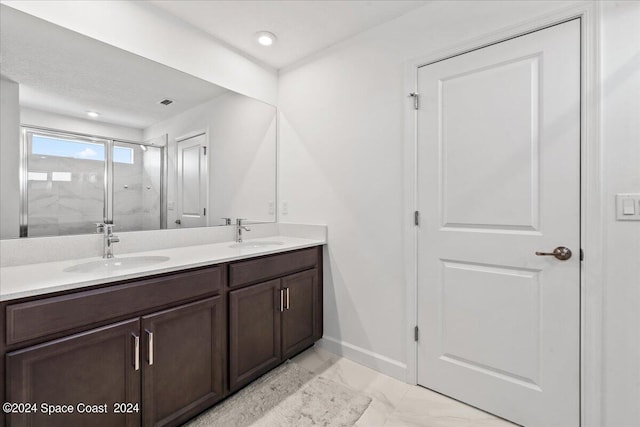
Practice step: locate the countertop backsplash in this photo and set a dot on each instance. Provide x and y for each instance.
(15, 252)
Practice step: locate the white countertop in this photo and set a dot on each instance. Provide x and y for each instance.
(39, 279)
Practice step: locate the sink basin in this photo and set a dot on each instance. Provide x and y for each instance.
(256, 244)
(115, 264)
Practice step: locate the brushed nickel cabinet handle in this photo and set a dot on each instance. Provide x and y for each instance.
(281, 299)
(150, 345)
(136, 352)
(562, 253)
(287, 289)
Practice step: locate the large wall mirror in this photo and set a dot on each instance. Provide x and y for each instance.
(92, 133)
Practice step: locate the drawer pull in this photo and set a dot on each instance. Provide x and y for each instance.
(150, 345)
(136, 352)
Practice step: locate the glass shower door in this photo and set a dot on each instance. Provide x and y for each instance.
(64, 184)
(137, 186)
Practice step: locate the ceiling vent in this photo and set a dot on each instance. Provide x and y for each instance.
(166, 101)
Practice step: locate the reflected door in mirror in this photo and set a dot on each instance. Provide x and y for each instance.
(192, 181)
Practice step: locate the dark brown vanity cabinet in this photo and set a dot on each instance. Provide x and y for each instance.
(157, 351)
(272, 320)
(158, 368)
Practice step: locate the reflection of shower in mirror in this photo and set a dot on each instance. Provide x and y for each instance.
(72, 181)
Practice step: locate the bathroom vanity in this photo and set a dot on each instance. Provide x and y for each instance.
(157, 349)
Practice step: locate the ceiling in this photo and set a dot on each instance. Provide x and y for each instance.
(302, 27)
(67, 73)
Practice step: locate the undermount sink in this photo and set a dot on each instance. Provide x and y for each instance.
(256, 244)
(115, 264)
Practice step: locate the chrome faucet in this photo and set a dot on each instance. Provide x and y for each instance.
(109, 239)
(239, 228)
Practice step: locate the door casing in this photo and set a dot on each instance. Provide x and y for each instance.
(591, 196)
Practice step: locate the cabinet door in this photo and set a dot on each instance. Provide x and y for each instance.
(254, 332)
(183, 361)
(299, 319)
(96, 367)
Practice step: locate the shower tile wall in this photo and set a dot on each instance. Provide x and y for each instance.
(65, 195)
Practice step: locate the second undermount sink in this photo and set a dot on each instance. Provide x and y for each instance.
(256, 244)
(115, 264)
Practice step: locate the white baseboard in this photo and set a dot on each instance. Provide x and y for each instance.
(372, 360)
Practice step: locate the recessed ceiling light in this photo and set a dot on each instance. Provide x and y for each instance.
(92, 114)
(265, 38)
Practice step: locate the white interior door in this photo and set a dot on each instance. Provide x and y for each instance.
(192, 182)
(499, 180)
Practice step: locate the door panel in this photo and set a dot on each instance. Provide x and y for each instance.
(94, 367)
(183, 360)
(481, 345)
(299, 317)
(254, 345)
(498, 180)
(470, 171)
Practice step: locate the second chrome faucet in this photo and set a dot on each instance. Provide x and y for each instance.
(108, 239)
(239, 228)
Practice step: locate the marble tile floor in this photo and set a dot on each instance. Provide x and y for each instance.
(395, 404)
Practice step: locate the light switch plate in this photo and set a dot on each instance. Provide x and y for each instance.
(628, 207)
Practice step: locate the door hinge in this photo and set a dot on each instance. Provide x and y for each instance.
(415, 334)
(204, 212)
(416, 218)
(416, 100)
(205, 150)
(581, 255)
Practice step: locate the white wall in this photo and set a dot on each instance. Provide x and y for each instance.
(241, 159)
(154, 34)
(341, 163)
(341, 142)
(621, 141)
(9, 159)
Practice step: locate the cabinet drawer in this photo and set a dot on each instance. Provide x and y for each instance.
(34, 319)
(261, 269)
